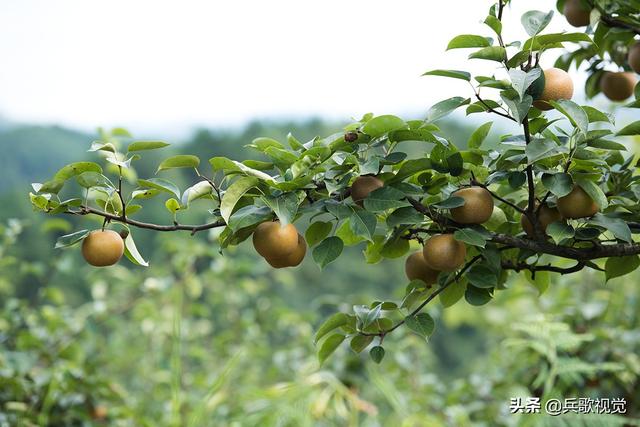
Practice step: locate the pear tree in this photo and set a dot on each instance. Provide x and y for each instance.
(558, 194)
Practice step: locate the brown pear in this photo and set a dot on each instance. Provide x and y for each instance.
(546, 216)
(618, 86)
(362, 186)
(444, 253)
(291, 260)
(102, 248)
(577, 13)
(477, 208)
(634, 57)
(416, 268)
(271, 240)
(557, 85)
(577, 204)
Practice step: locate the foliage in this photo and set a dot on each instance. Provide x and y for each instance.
(197, 339)
(309, 182)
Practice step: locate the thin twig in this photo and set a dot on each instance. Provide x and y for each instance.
(429, 298)
(87, 210)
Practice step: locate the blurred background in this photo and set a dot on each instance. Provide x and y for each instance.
(202, 339)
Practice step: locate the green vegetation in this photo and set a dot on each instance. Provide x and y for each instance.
(520, 250)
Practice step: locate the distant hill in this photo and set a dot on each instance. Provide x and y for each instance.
(34, 153)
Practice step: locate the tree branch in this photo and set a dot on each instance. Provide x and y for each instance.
(430, 298)
(87, 210)
(538, 246)
(510, 265)
(530, 211)
(495, 196)
(491, 110)
(613, 22)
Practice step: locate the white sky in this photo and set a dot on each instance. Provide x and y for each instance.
(165, 66)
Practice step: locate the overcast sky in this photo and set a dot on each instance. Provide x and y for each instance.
(168, 66)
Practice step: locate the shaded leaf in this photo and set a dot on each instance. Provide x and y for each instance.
(329, 346)
(327, 251)
(233, 195)
(71, 239)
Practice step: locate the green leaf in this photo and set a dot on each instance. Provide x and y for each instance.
(453, 293)
(144, 194)
(521, 80)
(468, 40)
(121, 160)
(282, 158)
(333, 322)
(450, 203)
(52, 186)
(327, 251)
(383, 124)
(160, 184)
(285, 206)
(576, 115)
(146, 145)
(196, 191)
(132, 209)
(493, 53)
(71, 239)
(317, 232)
(384, 198)
(517, 179)
(605, 144)
(629, 130)
(548, 41)
(594, 191)
(620, 266)
(479, 135)
(519, 108)
(421, 323)
(360, 342)
(518, 59)
(596, 115)
(73, 169)
(262, 143)
(477, 296)
(102, 146)
(248, 216)
(534, 21)
(395, 247)
(411, 167)
(329, 346)
(470, 236)
(443, 108)
(131, 252)
(366, 316)
(617, 226)
(377, 354)
(560, 184)
(363, 223)
(93, 179)
(481, 276)
(404, 216)
(179, 161)
(540, 281)
(494, 23)
(559, 231)
(233, 194)
(294, 143)
(540, 149)
(172, 205)
(454, 74)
